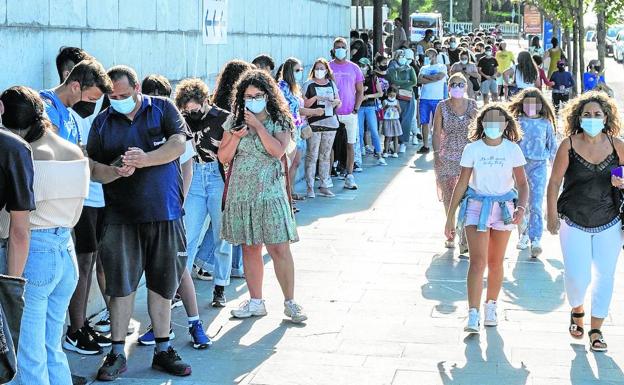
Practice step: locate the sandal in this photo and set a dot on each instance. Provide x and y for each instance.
(298, 197)
(574, 327)
(599, 344)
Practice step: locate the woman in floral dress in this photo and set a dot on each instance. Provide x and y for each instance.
(256, 209)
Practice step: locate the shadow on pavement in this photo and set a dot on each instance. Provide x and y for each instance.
(582, 373)
(446, 282)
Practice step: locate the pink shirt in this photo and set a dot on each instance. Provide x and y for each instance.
(347, 75)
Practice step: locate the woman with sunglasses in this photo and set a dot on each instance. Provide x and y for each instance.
(451, 124)
(257, 211)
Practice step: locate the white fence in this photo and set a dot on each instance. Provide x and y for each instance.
(508, 29)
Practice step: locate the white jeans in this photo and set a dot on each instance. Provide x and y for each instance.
(585, 252)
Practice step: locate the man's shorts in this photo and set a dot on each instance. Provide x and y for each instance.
(351, 124)
(489, 86)
(156, 248)
(426, 110)
(88, 230)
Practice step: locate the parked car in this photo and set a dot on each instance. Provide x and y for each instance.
(618, 48)
(612, 33)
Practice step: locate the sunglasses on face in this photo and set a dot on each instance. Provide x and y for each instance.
(458, 85)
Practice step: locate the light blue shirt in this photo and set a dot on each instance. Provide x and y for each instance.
(538, 140)
(60, 117)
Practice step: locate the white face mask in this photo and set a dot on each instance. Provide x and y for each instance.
(464, 61)
(320, 74)
(391, 99)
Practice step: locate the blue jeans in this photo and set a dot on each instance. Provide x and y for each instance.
(237, 260)
(203, 222)
(367, 114)
(52, 274)
(407, 117)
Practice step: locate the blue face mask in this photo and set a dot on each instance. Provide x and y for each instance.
(402, 61)
(299, 76)
(592, 126)
(256, 106)
(123, 106)
(340, 53)
(427, 61)
(492, 130)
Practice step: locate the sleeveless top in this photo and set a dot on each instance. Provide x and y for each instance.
(588, 199)
(454, 136)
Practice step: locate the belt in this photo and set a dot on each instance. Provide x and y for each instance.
(199, 160)
(486, 207)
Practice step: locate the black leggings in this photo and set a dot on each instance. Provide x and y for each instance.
(557, 98)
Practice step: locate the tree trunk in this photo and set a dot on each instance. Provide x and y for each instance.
(581, 42)
(575, 62)
(405, 16)
(377, 26)
(356, 3)
(476, 14)
(601, 31)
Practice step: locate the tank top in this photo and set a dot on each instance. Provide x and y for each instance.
(588, 198)
(454, 135)
(555, 56)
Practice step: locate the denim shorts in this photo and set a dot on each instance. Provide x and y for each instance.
(494, 220)
(489, 87)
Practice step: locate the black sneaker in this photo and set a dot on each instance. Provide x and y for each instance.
(170, 362)
(419, 137)
(113, 366)
(423, 150)
(78, 380)
(81, 342)
(97, 337)
(218, 297)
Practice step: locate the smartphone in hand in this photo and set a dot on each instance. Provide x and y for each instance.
(118, 162)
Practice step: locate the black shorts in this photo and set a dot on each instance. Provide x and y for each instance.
(88, 230)
(158, 248)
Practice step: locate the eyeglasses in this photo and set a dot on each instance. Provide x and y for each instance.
(458, 85)
(256, 98)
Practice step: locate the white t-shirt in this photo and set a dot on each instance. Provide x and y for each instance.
(520, 83)
(434, 90)
(492, 166)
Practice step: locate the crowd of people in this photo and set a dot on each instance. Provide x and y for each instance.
(136, 178)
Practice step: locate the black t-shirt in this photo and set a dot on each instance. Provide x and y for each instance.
(208, 133)
(371, 88)
(453, 55)
(362, 50)
(16, 173)
(488, 66)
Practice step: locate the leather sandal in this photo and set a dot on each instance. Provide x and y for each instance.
(574, 327)
(599, 344)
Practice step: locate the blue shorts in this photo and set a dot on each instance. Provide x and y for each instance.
(426, 109)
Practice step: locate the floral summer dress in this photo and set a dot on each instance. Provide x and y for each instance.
(256, 208)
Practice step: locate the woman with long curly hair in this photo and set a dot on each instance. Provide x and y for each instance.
(230, 74)
(491, 165)
(539, 145)
(586, 213)
(257, 209)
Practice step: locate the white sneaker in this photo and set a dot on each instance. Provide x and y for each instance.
(414, 140)
(536, 249)
(381, 162)
(358, 168)
(491, 319)
(385, 155)
(402, 148)
(473, 325)
(523, 243)
(294, 311)
(449, 244)
(350, 183)
(249, 309)
(395, 155)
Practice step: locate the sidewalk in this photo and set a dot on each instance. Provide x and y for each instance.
(387, 306)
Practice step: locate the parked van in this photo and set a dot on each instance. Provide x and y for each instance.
(420, 22)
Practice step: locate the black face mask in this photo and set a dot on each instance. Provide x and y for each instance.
(383, 68)
(598, 68)
(84, 108)
(561, 68)
(195, 116)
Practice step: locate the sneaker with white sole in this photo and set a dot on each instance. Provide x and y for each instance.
(249, 309)
(148, 338)
(473, 324)
(449, 244)
(294, 311)
(491, 318)
(395, 155)
(350, 182)
(402, 148)
(523, 242)
(385, 155)
(103, 325)
(414, 140)
(357, 168)
(381, 162)
(536, 249)
(81, 342)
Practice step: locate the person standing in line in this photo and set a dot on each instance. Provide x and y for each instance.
(143, 217)
(392, 122)
(257, 208)
(491, 166)
(60, 185)
(320, 91)
(264, 62)
(587, 212)
(432, 77)
(350, 83)
(399, 39)
(367, 115)
(451, 124)
(488, 68)
(403, 77)
(563, 83)
(539, 144)
(359, 49)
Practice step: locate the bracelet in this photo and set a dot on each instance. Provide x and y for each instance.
(521, 207)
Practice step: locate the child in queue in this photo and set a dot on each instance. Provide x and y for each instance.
(392, 124)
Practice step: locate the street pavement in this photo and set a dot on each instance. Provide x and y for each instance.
(387, 304)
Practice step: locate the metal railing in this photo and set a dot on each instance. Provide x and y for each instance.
(508, 29)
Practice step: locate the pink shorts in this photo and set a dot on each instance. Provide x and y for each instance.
(494, 220)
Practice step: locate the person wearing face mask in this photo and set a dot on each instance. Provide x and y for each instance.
(381, 70)
(143, 229)
(587, 213)
(470, 72)
(593, 76)
(442, 55)
(320, 91)
(399, 37)
(539, 145)
(290, 81)
(60, 181)
(350, 83)
(490, 205)
(367, 115)
(432, 79)
(403, 77)
(453, 50)
(562, 84)
(425, 44)
(256, 204)
(450, 135)
(488, 69)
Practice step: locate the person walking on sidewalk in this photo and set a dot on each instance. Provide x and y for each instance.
(491, 165)
(320, 91)
(61, 183)
(433, 78)
(539, 144)
(256, 204)
(587, 213)
(563, 82)
(144, 137)
(451, 125)
(350, 82)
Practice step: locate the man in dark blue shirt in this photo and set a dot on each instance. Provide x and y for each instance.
(141, 138)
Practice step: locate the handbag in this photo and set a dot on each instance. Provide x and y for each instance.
(378, 108)
(306, 132)
(475, 83)
(405, 95)
(11, 310)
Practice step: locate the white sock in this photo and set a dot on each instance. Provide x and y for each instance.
(193, 319)
(256, 301)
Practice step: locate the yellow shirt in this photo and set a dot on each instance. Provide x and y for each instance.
(504, 59)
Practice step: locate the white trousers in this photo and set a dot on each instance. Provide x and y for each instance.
(590, 258)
